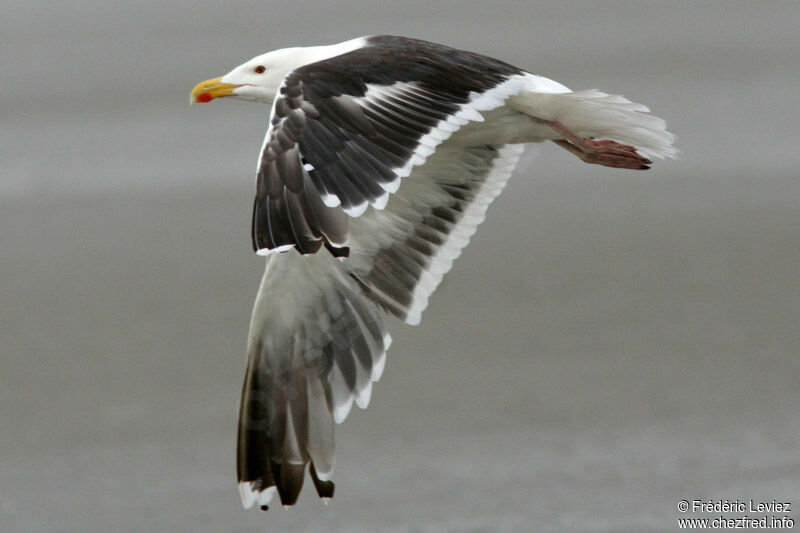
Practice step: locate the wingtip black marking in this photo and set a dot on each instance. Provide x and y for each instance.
(324, 488)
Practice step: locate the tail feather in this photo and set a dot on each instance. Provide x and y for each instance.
(592, 113)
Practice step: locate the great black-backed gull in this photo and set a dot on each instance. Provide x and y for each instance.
(426, 136)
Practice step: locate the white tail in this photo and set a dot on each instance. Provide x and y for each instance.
(595, 114)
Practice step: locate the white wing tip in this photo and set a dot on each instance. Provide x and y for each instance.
(414, 317)
(378, 365)
(392, 186)
(363, 396)
(277, 250)
(380, 202)
(356, 210)
(250, 496)
(341, 411)
(330, 200)
(387, 342)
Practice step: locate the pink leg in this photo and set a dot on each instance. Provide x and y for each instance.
(603, 152)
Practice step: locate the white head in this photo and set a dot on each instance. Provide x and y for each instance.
(260, 78)
(256, 80)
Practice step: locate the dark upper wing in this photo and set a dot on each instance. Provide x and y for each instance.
(344, 131)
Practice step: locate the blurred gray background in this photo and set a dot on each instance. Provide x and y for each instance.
(611, 343)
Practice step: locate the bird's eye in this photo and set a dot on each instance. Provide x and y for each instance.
(259, 69)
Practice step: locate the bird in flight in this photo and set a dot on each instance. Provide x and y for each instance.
(381, 158)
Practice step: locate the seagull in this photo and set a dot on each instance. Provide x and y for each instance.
(381, 158)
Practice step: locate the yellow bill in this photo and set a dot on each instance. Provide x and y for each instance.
(205, 91)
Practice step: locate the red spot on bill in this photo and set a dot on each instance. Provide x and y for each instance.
(204, 97)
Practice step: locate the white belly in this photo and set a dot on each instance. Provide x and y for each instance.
(503, 125)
